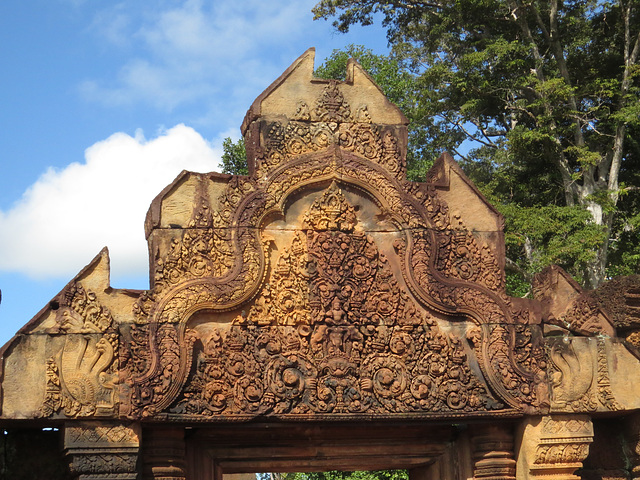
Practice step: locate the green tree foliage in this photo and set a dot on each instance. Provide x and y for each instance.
(540, 103)
(234, 157)
(338, 475)
(400, 87)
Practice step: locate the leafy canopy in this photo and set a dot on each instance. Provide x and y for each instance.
(539, 101)
(234, 157)
(338, 475)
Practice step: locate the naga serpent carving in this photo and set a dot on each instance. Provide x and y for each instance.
(82, 380)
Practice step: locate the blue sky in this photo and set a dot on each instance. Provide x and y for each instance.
(103, 103)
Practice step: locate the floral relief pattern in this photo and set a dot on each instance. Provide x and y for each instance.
(331, 122)
(334, 334)
(336, 323)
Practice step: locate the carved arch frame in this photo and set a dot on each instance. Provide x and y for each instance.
(427, 238)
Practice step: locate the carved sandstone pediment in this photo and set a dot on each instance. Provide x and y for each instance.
(326, 284)
(322, 286)
(334, 332)
(351, 315)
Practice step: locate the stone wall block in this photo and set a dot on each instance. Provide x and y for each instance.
(102, 451)
(553, 447)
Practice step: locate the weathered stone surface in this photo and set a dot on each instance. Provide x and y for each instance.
(64, 362)
(553, 447)
(493, 452)
(620, 298)
(566, 305)
(592, 375)
(102, 450)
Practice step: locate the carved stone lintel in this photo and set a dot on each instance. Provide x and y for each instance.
(101, 450)
(164, 454)
(493, 453)
(553, 447)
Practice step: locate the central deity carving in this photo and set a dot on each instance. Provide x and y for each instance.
(332, 332)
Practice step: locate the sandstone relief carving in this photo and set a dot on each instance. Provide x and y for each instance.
(331, 294)
(81, 380)
(567, 306)
(334, 334)
(324, 289)
(332, 121)
(324, 284)
(351, 299)
(102, 450)
(562, 444)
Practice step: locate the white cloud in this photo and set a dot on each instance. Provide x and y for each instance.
(65, 218)
(113, 25)
(204, 61)
(189, 52)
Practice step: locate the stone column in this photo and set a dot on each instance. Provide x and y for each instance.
(492, 452)
(553, 447)
(164, 454)
(102, 450)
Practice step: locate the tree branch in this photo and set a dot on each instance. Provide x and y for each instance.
(489, 142)
(457, 152)
(512, 266)
(556, 48)
(630, 58)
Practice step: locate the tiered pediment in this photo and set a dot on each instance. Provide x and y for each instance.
(323, 285)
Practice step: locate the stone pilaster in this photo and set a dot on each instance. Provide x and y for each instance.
(102, 451)
(164, 454)
(553, 447)
(492, 450)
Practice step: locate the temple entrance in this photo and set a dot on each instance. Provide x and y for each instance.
(319, 447)
(445, 452)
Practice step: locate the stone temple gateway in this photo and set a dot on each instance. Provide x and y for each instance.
(325, 313)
